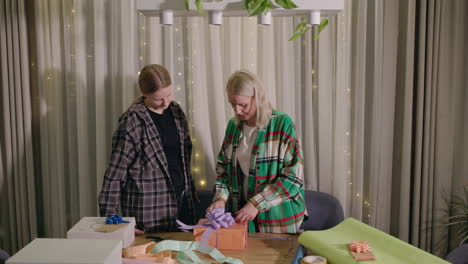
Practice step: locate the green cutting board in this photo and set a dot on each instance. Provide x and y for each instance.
(331, 244)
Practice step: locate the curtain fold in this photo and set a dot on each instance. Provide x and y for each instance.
(86, 67)
(17, 194)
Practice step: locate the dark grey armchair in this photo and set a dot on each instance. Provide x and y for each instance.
(3, 256)
(459, 255)
(324, 210)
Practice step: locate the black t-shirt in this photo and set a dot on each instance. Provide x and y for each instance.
(170, 140)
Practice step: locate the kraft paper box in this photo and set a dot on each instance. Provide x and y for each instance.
(232, 238)
(69, 251)
(86, 229)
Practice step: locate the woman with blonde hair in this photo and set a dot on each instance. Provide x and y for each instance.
(260, 165)
(149, 171)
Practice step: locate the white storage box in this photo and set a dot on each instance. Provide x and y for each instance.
(85, 229)
(69, 251)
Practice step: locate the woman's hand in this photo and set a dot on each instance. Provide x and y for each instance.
(216, 204)
(138, 232)
(247, 213)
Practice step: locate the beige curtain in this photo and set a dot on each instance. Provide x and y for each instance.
(430, 158)
(397, 72)
(85, 67)
(17, 193)
(355, 106)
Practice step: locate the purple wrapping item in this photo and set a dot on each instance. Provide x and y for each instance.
(222, 224)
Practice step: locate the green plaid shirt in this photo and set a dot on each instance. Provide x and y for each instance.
(275, 180)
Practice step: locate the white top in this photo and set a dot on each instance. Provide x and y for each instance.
(244, 152)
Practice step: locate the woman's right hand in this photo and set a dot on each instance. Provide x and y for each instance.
(138, 232)
(216, 204)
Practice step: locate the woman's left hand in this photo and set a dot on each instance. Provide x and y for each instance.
(247, 213)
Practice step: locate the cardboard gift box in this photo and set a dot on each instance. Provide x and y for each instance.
(69, 251)
(231, 238)
(86, 229)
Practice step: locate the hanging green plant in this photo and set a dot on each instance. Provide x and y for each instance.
(256, 7)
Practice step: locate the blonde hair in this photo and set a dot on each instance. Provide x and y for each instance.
(246, 83)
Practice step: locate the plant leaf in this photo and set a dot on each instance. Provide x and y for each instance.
(268, 5)
(317, 36)
(295, 36)
(301, 26)
(299, 33)
(286, 4)
(282, 3)
(247, 4)
(199, 5)
(459, 214)
(323, 24)
(187, 4)
(321, 27)
(258, 7)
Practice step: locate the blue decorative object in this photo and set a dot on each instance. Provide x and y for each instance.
(115, 220)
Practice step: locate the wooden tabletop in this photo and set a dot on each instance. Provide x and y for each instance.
(262, 247)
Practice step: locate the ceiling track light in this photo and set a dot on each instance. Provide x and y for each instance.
(167, 17)
(264, 18)
(313, 18)
(216, 17)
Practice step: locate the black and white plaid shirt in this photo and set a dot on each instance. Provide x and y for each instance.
(138, 178)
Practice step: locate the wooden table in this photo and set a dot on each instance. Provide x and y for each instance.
(260, 250)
